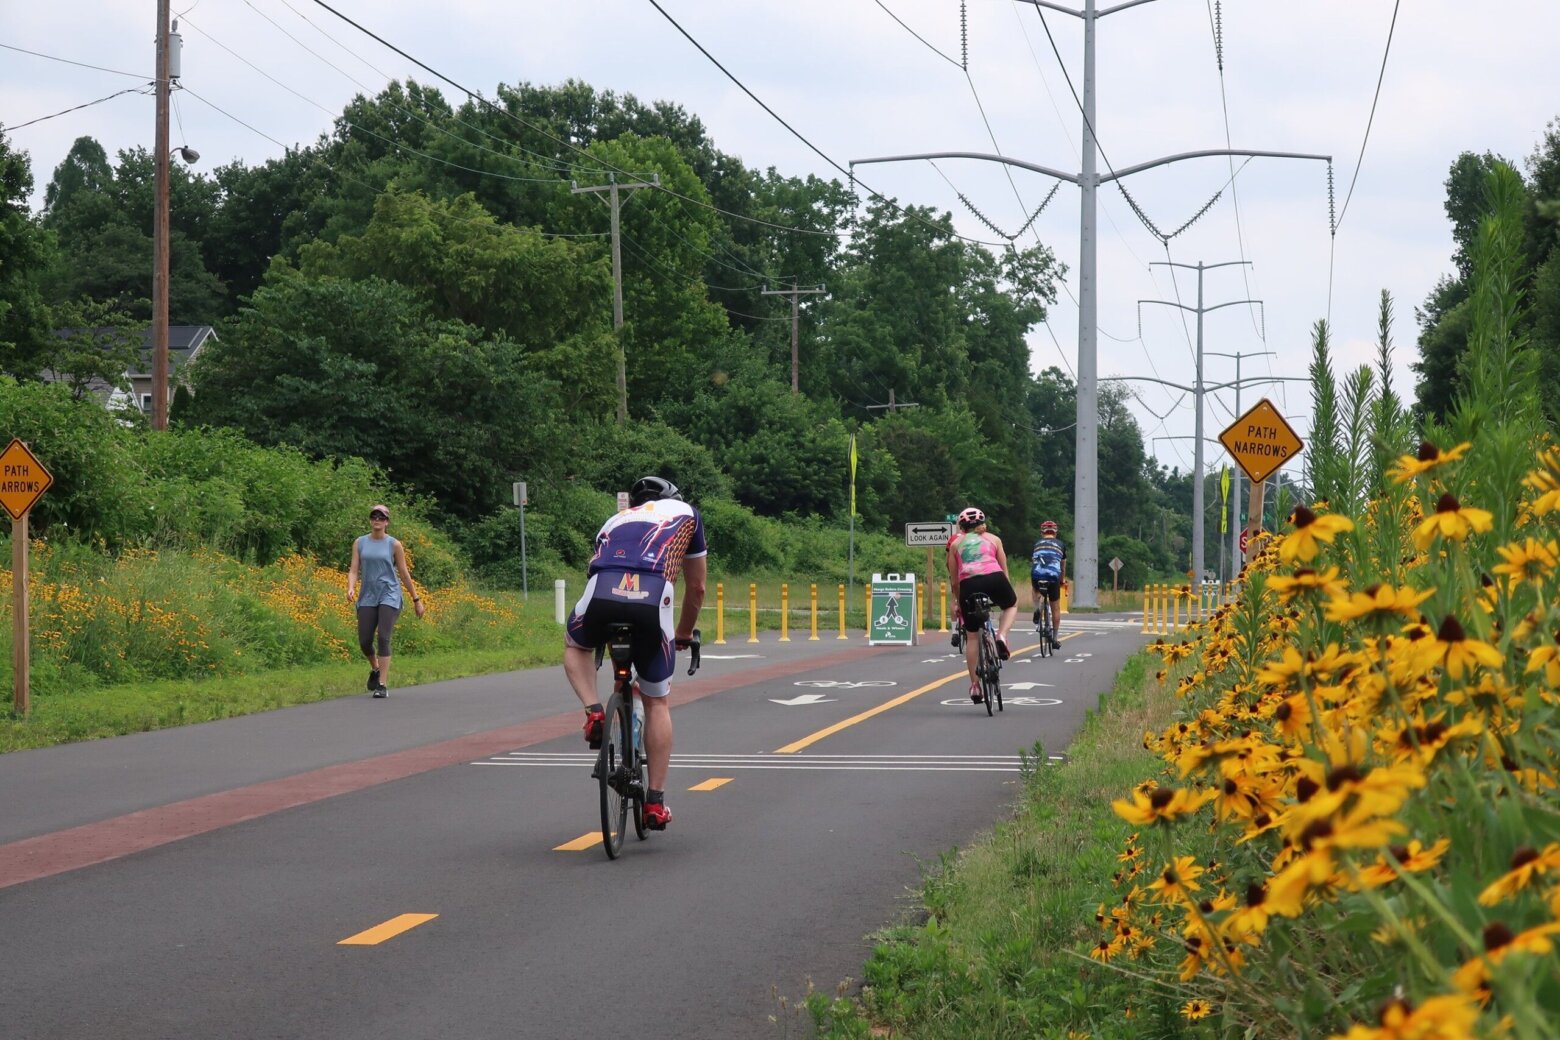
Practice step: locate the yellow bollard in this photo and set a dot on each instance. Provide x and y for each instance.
(867, 588)
(920, 607)
(785, 612)
(1159, 609)
(720, 613)
(1175, 610)
(814, 611)
(1147, 626)
(942, 606)
(752, 612)
(842, 634)
(1061, 606)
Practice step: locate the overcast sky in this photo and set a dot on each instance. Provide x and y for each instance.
(1298, 77)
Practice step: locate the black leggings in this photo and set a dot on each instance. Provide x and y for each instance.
(382, 618)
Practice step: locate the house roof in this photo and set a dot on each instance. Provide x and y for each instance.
(184, 342)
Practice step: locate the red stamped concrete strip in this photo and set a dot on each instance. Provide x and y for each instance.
(47, 854)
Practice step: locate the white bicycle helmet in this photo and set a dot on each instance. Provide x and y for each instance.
(971, 518)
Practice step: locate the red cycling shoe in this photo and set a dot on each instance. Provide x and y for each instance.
(657, 816)
(595, 722)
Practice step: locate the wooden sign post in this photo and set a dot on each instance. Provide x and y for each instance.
(23, 480)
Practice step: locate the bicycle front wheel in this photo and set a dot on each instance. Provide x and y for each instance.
(612, 770)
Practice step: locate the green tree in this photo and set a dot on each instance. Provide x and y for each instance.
(94, 343)
(26, 251)
(342, 367)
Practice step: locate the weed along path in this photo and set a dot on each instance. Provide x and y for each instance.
(430, 865)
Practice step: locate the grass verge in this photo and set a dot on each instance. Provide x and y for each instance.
(999, 950)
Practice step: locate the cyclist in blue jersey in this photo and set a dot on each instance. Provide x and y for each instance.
(1048, 566)
(640, 554)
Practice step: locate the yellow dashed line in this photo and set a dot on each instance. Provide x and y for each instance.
(829, 731)
(584, 841)
(389, 930)
(712, 783)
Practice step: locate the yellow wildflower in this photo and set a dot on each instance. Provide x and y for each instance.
(1527, 863)
(1428, 458)
(1451, 521)
(1302, 543)
(1529, 560)
(1379, 603)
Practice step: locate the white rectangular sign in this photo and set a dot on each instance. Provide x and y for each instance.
(932, 532)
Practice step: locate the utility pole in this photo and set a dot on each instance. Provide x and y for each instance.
(1198, 560)
(160, 230)
(612, 188)
(793, 292)
(1086, 468)
(1235, 526)
(893, 405)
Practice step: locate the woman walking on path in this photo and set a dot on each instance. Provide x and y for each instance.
(382, 562)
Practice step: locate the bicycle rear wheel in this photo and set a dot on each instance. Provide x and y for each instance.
(639, 785)
(986, 667)
(612, 770)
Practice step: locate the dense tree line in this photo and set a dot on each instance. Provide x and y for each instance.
(1445, 319)
(422, 289)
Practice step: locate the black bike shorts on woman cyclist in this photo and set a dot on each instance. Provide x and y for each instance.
(994, 585)
(640, 599)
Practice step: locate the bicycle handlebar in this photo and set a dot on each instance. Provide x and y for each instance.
(692, 646)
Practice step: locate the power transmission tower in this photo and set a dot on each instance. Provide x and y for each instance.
(1198, 556)
(1086, 479)
(612, 188)
(794, 293)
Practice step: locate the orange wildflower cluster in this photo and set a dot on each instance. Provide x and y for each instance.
(1369, 737)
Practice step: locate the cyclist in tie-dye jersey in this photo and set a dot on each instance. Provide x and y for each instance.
(977, 563)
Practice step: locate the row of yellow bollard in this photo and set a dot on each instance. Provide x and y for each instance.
(785, 611)
(1162, 606)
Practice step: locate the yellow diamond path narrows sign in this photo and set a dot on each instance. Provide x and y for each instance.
(1261, 441)
(23, 480)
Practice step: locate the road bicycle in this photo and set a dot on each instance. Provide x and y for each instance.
(620, 765)
(988, 664)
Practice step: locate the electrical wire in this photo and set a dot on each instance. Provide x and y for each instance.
(77, 108)
(79, 64)
(917, 35)
(1382, 75)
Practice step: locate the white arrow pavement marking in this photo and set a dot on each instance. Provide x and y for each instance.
(804, 698)
(728, 657)
(1026, 685)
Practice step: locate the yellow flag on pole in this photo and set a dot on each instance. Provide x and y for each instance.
(853, 474)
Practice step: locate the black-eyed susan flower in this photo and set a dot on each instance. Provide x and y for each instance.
(1178, 880)
(1447, 1017)
(1427, 458)
(1527, 863)
(1161, 805)
(1529, 560)
(1398, 860)
(1459, 654)
(1378, 604)
(1196, 1008)
(1451, 521)
(1304, 542)
(1547, 657)
(1305, 581)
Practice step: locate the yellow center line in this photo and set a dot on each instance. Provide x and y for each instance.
(389, 930)
(712, 783)
(829, 731)
(584, 841)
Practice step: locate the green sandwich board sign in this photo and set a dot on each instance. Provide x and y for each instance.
(893, 610)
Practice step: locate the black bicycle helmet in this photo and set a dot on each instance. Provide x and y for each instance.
(648, 489)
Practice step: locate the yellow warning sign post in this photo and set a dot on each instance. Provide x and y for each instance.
(1260, 442)
(23, 480)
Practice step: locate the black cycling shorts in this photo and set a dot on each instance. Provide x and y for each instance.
(994, 585)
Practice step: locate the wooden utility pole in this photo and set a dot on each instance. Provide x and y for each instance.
(892, 405)
(160, 232)
(612, 187)
(794, 293)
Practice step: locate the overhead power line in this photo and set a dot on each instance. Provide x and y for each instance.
(78, 64)
(78, 108)
(1382, 75)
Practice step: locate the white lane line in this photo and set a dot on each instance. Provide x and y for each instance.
(803, 766)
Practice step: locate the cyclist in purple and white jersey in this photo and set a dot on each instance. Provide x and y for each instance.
(640, 554)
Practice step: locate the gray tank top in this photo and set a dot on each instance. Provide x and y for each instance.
(380, 587)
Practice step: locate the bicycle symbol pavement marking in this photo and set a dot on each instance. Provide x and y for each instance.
(842, 684)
